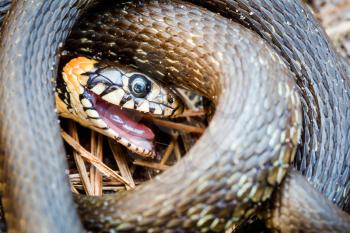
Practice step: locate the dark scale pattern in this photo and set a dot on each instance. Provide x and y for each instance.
(62, 92)
(240, 166)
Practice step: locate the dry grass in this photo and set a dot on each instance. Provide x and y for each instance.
(99, 165)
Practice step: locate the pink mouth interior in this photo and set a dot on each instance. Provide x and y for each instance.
(123, 123)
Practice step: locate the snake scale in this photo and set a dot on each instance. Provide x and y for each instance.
(245, 152)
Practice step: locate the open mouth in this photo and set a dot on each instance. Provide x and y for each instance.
(125, 123)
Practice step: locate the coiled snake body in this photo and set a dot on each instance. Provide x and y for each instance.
(245, 151)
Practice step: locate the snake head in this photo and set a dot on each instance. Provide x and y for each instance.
(106, 97)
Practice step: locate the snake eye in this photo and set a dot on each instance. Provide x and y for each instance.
(139, 85)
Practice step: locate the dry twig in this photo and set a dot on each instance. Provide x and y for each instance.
(80, 162)
(122, 163)
(103, 168)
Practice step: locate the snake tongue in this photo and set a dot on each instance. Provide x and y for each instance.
(124, 123)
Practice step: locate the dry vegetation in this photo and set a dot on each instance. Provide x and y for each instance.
(99, 165)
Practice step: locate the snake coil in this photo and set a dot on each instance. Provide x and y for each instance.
(258, 110)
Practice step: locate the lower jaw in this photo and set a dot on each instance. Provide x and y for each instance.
(139, 146)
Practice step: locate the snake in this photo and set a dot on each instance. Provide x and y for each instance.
(286, 101)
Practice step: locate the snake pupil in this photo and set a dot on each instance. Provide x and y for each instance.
(139, 85)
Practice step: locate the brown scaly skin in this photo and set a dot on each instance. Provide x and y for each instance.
(288, 210)
(257, 120)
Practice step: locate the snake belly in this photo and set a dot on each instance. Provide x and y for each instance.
(258, 107)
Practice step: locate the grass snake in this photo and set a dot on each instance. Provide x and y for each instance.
(250, 142)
